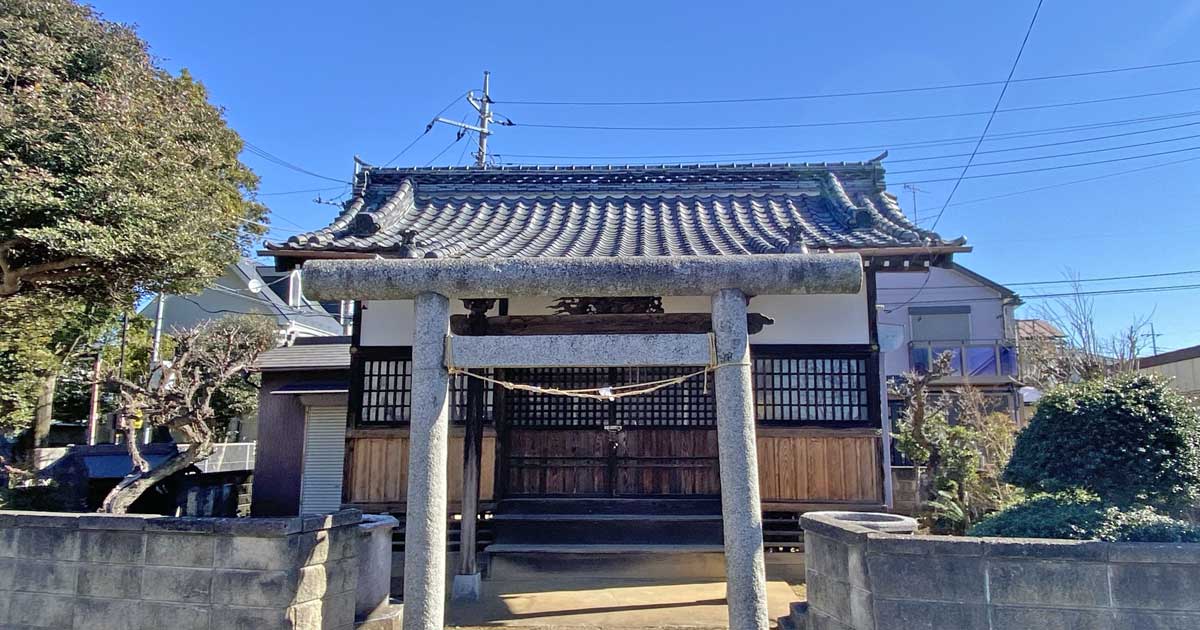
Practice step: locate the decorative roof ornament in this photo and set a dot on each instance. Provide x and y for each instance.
(408, 245)
(795, 237)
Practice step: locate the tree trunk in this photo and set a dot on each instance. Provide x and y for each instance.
(43, 413)
(137, 483)
(926, 490)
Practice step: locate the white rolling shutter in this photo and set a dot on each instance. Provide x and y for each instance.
(324, 455)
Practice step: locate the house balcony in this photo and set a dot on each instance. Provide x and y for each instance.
(979, 362)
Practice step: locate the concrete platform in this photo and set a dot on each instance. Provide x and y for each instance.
(576, 604)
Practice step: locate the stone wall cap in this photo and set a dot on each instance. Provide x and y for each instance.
(1046, 549)
(371, 522)
(197, 525)
(258, 527)
(1164, 553)
(924, 544)
(341, 518)
(125, 522)
(64, 520)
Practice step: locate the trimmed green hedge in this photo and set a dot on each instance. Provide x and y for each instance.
(1080, 516)
(1129, 440)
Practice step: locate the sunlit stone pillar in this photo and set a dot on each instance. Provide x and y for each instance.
(425, 526)
(745, 571)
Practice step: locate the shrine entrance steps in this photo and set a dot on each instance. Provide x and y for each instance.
(641, 539)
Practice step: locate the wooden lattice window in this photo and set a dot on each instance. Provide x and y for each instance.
(793, 385)
(815, 385)
(534, 410)
(382, 388)
(687, 404)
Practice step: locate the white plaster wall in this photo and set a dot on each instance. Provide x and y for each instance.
(799, 319)
(990, 319)
(390, 323)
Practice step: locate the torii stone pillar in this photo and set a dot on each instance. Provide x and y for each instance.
(425, 521)
(745, 568)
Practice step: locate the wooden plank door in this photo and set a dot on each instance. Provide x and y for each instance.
(673, 462)
(559, 462)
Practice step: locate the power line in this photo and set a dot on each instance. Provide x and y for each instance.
(839, 123)
(1143, 276)
(1047, 131)
(270, 157)
(1052, 168)
(1071, 183)
(425, 132)
(927, 88)
(300, 192)
(1045, 157)
(447, 148)
(982, 136)
(228, 311)
(1046, 144)
(1040, 296)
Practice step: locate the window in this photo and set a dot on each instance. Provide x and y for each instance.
(382, 386)
(807, 385)
(940, 323)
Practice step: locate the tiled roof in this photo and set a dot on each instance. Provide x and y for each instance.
(614, 211)
(1038, 329)
(307, 354)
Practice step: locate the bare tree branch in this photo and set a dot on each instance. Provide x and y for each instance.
(179, 397)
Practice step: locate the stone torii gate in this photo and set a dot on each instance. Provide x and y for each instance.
(729, 280)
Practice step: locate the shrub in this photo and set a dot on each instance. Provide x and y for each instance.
(1075, 515)
(1080, 516)
(1129, 440)
(1147, 525)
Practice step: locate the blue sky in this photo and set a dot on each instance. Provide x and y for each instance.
(317, 83)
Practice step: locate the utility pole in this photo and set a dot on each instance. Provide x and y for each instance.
(155, 345)
(482, 105)
(121, 372)
(94, 397)
(1153, 338)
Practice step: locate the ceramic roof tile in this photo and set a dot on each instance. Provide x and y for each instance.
(613, 211)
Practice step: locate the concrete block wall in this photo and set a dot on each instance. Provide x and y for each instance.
(150, 572)
(859, 579)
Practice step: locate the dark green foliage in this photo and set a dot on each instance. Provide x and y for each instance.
(1146, 525)
(1128, 440)
(1078, 515)
(115, 175)
(42, 336)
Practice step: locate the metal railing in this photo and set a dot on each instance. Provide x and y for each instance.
(995, 358)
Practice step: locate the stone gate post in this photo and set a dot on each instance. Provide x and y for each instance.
(425, 523)
(745, 572)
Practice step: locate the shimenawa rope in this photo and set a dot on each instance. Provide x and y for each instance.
(602, 393)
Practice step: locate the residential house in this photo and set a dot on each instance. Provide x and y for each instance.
(528, 257)
(258, 290)
(956, 310)
(1182, 366)
(248, 287)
